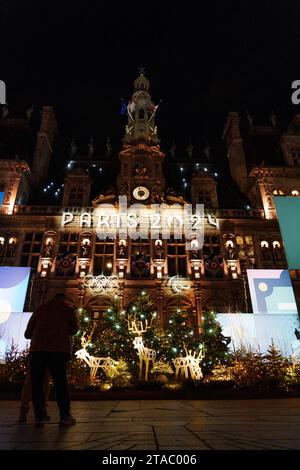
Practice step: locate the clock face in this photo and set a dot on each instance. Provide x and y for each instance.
(141, 193)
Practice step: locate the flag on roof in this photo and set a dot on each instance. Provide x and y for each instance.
(123, 109)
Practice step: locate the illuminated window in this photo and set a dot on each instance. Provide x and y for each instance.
(104, 257)
(245, 245)
(276, 244)
(264, 244)
(229, 243)
(295, 192)
(278, 192)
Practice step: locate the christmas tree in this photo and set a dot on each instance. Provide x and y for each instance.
(215, 343)
(275, 366)
(114, 336)
(179, 335)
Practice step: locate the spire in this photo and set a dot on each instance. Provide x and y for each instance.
(141, 114)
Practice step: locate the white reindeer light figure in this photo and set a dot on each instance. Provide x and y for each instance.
(146, 355)
(105, 363)
(189, 364)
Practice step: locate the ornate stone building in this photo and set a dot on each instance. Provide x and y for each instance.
(60, 242)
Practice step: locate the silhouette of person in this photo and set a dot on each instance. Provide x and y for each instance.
(49, 330)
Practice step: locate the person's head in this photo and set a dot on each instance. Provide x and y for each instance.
(60, 296)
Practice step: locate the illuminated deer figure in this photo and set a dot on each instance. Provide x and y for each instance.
(189, 364)
(94, 363)
(146, 355)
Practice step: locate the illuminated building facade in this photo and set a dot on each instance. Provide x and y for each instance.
(236, 237)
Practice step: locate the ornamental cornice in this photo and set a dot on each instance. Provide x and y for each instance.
(275, 172)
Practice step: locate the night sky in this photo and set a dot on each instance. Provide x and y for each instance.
(203, 62)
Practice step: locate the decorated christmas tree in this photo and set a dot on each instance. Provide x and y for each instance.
(215, 343)
(179, 336)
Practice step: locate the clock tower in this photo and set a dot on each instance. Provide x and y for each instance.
(141, 178)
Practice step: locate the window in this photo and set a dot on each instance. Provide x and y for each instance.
(295, 192)
(264, 244)
(295, 153)
(211, 245)
(278, 192)
(104, 257)
(141, 114)
(245, 246)
(67, 254)
(176, 255)
(204, 197)
(76, 196)
(31, 249)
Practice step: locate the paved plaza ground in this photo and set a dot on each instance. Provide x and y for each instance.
(160, 425)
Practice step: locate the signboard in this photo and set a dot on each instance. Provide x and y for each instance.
(271, 291)
(13, 288)
(288, 212)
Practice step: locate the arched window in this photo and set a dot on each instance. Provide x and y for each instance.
(276, 244)
(295, 192)
(278, 192)
(264, 244)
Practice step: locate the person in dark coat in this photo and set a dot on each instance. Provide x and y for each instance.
(49, 329)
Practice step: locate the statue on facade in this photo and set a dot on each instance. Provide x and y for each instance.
(206, 152)
(48, 248)
(85, 249)
(29, 112)
(91, 147)
(73, 149)
(190, 149)
(108, 147)
(172, 149)
(250, 119)
(230, 251)
(273, 119)
(158, 249)
(122, 250)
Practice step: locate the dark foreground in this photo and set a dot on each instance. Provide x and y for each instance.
(160, 425)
